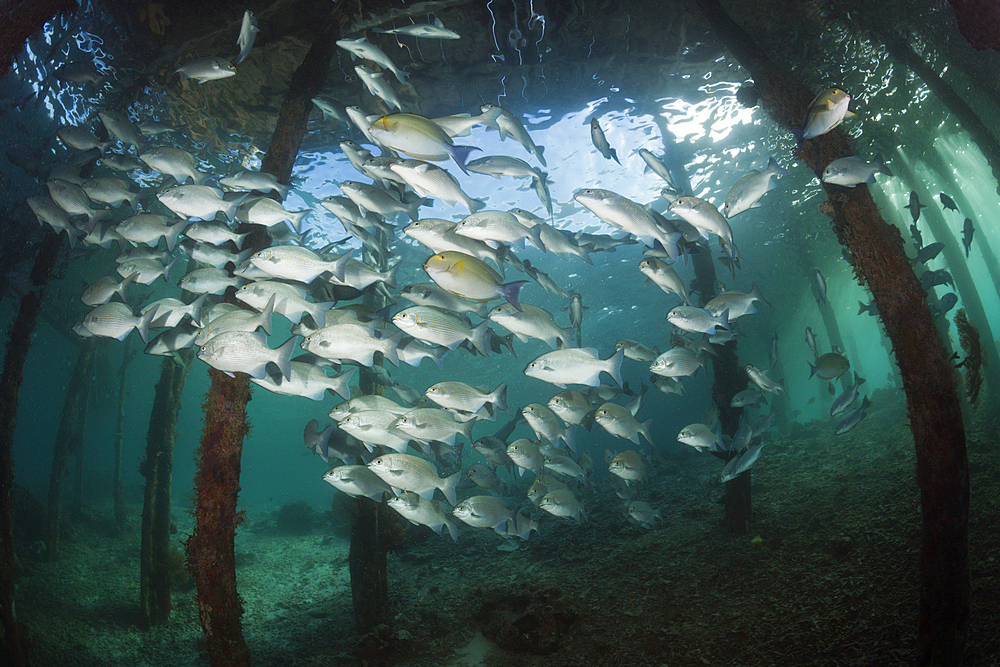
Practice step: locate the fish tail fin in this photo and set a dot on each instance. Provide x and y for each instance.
(879, 163)
(166, 269)
(123, 285)
(282, 190)
(171, 236)
(283, 358)
(196, 307)
(341, 383)
(775, 168)
(474, 205)
(400, 74)
(480, 338)
(450, 486)
(723, 320)
(452, 528)
(323, 444)
(615, 366)
(230, 210)
(799, 135)
(499, 397)
(536, 238)
(142, 326)
(755, 293)
(538, 153)
(614, 155)
(511, 292)
(390, 353)
(812, 369)
(569, 437)
(390, 276)
(644, 430)
(460, 154)
(339, 265)
(295, 220)
(265, 315)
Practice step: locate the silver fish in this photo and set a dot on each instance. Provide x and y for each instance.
(246, 352)
(850, 171)
(115, 320)
(207, 69)
(357, 480)
(759, 378)
(428, 513)
(434, 30)
(747, 191)
(248, 33)
(619, 422)
(511, 127)
(575, 366)
(412, 473)
(362, 48)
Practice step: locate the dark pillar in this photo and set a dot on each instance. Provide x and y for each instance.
(118, 493)
(932, 398)
(13, 648)
(154, 575)
(68, 434)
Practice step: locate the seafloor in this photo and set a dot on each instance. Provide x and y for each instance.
(830, 581)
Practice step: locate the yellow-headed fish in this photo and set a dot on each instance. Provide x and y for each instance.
(470, 278)
(826, 112)
(418, 137)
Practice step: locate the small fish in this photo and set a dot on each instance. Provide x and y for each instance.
(747, 191)
(259, 181)
(435, 30)
(870, 308)
(362, 48)
(485, 512)
(759, 378)
(748, 397)
(430, 180)
(511, 127)
(298, 263)
(637, 351)
(947, 202)
(819, 284)
(102, 290)
(847, 397)
(967, 232)
(418, 137)
(928, 252)
(699, 436)
(207, 69)
(677, 362)
(929, 279)
(914, 206)
(707, 219)
(563, 503)
(656, 165)
(663, 276)
(173, 162)
(698, 320)
(918, 239)
(773, 351)
(470, 278)
(428, 513)
(357, 480)
(852, 418)
(827, 111)
(829, 366)
(947, 302)
(601, 142)
(530, 322)
(575, 366)
(525, 455)
(643, 514)
(628, 465)
(246, 352)
(412, 473)
(115, 320)
(573, 407)
(248, 33)
(377, 85)
(850, 171)
(576, 309)
(741, 463)
(619, 422)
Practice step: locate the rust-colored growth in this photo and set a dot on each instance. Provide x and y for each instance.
(210, 549)
(968, 336)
